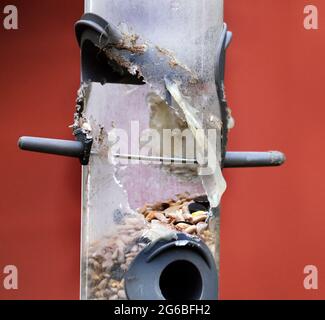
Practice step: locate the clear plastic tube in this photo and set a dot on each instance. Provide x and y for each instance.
(129, 206)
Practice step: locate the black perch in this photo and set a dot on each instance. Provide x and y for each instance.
(81, 150)
(77, 149)
(52, 146)
(254, 159)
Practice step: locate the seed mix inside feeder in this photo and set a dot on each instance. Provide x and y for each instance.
(110, 259)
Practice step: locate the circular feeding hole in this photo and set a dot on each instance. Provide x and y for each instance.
(181, 280)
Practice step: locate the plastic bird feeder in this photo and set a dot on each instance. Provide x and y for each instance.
(152, 80)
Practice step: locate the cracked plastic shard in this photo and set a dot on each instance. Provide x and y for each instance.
(214, 183)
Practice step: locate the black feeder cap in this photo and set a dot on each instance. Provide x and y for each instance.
(182, 269)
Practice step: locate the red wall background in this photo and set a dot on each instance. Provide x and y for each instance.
(273, 220)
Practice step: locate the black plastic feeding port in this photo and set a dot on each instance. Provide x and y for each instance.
(181, 279)
(92, 35)
(179, 269)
